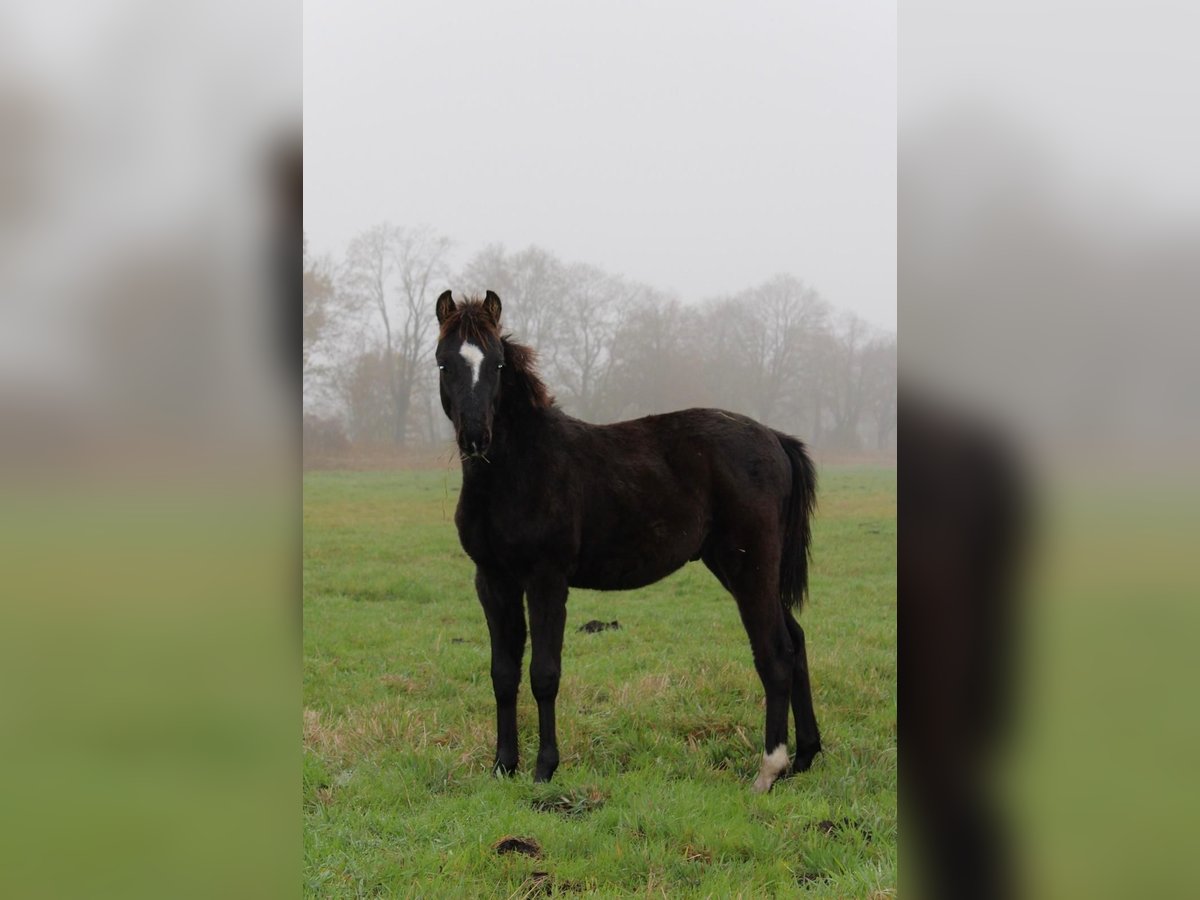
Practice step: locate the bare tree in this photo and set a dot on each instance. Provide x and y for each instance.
(848, 382)
(533, 286)
(773, 330)
(591, 306)
(392, 273)
(364, 385)
(323, 320)
(658, 364)
(318, 297)
(489, 270)
(421, 262)
(879, 368)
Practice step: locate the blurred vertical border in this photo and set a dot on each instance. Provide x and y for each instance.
(1049, 279)
(150, 257)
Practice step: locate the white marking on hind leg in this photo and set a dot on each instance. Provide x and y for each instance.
(774, 764)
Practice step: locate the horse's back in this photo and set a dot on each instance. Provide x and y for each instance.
(669, 483)
(742, 458)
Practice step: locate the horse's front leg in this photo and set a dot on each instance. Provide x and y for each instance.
(547, 620)
(501, 600)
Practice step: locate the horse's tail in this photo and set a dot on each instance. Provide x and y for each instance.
(797, 534)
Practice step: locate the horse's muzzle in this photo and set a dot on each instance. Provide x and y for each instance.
(475, 443)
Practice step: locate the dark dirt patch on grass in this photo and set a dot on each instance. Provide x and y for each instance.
(596, 625)
(526, 846)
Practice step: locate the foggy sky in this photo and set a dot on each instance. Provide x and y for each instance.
(700, 147)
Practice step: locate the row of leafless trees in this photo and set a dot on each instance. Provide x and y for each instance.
(609, 348)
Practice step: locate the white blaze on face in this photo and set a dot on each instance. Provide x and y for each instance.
(774, 764)
(474, 357)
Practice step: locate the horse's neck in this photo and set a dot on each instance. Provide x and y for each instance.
(520, 431)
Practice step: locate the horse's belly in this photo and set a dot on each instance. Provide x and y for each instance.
(617, 579)
(632, 568)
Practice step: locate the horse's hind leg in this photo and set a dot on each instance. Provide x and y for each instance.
(774, 660)
(754, 583)
(501, 601)
(808, 736)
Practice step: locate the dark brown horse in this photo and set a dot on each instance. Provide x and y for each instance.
(549, 503)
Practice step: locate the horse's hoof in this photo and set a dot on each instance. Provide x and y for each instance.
(500, 769)
(804, 758)
(547, 762)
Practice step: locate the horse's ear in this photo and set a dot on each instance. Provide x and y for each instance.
(445, 306)
(491, 306)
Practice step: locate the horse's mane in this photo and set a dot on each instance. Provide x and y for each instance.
(522, 365)
(470, 321)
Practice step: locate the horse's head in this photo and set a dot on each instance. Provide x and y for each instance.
(470, 357)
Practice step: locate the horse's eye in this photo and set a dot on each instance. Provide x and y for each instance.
(499, 365)
(442, 368)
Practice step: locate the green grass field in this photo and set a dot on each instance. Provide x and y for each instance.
(660, 722)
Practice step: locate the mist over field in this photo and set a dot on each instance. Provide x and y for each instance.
(609, 348)
(678, 206)
(699, 148)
